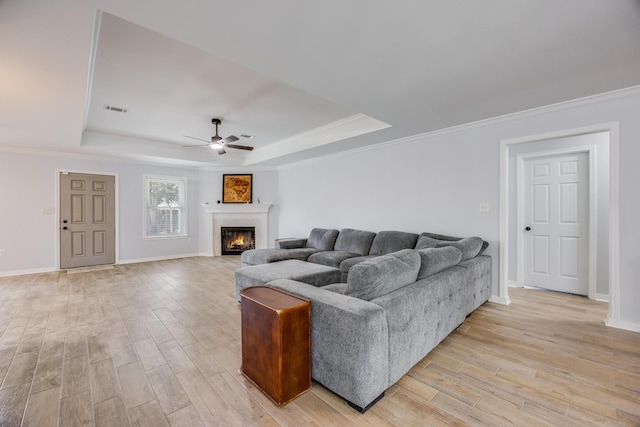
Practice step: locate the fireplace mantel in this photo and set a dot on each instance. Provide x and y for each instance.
(239, 215)
(236, 208)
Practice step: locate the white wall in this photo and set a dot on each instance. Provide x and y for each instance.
(435, 182)
(28, 184)
(427, 183)
(265, 188)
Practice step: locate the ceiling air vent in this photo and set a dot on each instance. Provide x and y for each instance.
(116, 109)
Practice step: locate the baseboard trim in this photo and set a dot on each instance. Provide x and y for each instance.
(602, 297)
(126, 261)
(622, 324)
(30, 271)
(500, 300)
(159, 258)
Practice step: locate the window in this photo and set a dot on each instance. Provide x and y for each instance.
(166, 211)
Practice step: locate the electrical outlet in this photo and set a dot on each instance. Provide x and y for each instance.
(484, 207)
(2, 252)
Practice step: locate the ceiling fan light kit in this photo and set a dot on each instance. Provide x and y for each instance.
(218, 143)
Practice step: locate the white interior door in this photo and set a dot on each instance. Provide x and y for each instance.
(556, 220)
(87, 220)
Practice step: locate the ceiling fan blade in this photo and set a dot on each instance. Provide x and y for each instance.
(239, 147)
(227, 140)
(193, 137)
(192, 146)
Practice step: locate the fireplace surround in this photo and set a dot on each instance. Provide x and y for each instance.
(238, 215)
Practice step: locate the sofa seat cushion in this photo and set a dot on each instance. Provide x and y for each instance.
(331, 258)
(435, 260)
(354, 241)
(264, 256)
(301, 271)
(380, 275)
(387, 242)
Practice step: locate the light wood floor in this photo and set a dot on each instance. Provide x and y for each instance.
(158, 344)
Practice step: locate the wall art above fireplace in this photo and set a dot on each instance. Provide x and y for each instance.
(237, 188)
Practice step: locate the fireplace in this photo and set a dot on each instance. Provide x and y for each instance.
(237, 215)
(235, 240)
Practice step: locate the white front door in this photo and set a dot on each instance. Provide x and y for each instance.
(556, 223)
(87, 220)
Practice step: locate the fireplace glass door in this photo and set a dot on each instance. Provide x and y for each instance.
(236, 240)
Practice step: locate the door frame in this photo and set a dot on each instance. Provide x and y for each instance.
(593, 197)
(613, 318)
(57, 205)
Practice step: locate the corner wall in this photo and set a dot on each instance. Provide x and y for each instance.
(265, 188)
(436, 182)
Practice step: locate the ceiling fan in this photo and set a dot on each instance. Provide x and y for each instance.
(217, 142)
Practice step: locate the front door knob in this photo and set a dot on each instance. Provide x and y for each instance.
(527, 228)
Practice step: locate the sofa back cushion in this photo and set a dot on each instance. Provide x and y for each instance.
(425, 242)
(435, 260)
(387, 242)
(354, 241)
(380, 275)
(322, 238)
(469, 246)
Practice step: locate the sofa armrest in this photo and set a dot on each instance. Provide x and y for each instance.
(349, 342)
(291, 243)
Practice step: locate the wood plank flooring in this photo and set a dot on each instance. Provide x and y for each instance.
(158, 344)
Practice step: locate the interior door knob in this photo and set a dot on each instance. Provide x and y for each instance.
(527, 228)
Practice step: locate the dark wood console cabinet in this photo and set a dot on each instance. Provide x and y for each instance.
(276, 342)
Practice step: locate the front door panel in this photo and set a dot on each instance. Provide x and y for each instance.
(87, 220)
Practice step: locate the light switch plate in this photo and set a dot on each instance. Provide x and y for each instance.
(484, 207)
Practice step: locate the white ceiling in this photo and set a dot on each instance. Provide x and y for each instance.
(306, 79)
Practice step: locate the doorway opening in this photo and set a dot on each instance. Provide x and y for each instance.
(556, 212)
(604, 223)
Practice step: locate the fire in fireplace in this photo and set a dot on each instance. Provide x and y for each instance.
(236, 240)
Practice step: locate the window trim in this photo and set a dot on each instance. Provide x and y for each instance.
(148, 179)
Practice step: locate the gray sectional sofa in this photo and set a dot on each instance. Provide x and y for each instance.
(393, 304)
